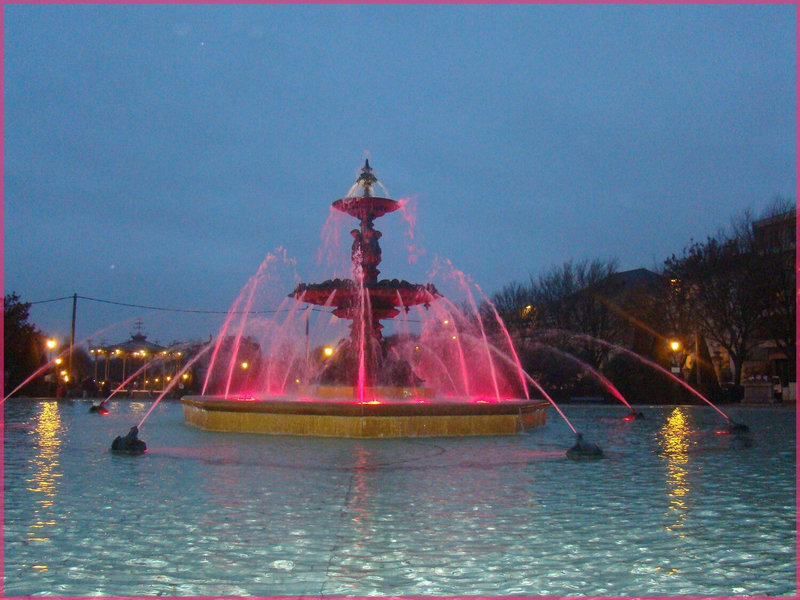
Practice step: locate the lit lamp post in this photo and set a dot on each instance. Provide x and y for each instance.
(323, 357)
(143, 354)
(94, 352)
(124, 356)
(61, 374)
(675, 346)
(51, 344)
(50, 378)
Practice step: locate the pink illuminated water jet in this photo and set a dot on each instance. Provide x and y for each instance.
(449, 376)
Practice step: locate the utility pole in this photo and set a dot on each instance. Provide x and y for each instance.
(308, 314)
(697, 356)
(72, 334)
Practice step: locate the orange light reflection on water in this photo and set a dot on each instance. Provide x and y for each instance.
(675, 443)
(45, 473)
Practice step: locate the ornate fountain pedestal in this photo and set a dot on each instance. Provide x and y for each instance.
(344, 417)
(371, 394)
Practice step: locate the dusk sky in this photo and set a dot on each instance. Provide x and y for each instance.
(155, 154)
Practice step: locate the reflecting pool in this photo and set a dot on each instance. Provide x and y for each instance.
(674, 508)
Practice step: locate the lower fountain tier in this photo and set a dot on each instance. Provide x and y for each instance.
(375, 419)
(386, 297)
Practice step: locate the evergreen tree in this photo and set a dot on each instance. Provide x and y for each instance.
(23, 344)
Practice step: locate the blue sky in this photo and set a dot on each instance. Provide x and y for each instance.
(154, 154)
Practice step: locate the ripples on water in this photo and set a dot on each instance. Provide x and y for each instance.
(674, 508)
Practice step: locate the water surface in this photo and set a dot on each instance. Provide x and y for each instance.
(675, 508)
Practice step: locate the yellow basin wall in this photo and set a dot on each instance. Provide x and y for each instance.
(364, 426)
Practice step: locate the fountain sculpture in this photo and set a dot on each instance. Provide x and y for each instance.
(364, 300)
(364, 392)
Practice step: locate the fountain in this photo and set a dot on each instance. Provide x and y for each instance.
(370, 389)
(364, 300)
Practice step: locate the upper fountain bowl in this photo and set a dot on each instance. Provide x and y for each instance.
(366, 208)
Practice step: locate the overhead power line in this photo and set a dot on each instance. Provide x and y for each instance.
(178, 310)
(161, 308)
(51, 300)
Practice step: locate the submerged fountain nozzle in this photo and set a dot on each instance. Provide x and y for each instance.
(584, 450)
(737, 428)
(99, 408)
(130, 444)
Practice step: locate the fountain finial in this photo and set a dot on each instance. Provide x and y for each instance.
(367, 179)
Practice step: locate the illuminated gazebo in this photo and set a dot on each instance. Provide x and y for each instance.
(138, 353)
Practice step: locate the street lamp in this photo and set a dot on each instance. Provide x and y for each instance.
(95, 352)
(675, 346)
(50, 377)
(51, 344)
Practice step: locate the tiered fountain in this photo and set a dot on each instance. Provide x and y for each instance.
(364, 300)
(363, 392)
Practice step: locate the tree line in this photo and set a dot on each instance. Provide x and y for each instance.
(582, 318)
(735, 289)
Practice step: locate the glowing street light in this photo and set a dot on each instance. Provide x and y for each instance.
(245, 364)
(51, 344)
(327, 351)
(675, 346)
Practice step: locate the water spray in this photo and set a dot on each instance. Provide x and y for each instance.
(632, 414)
(130, 443)
(100, 408)
(733, 427)
(581, 449)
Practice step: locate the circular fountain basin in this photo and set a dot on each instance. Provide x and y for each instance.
(346, 417)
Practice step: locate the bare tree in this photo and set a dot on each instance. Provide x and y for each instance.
(514, 304)
(565, 299)
(722, 282)
(773, 241)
